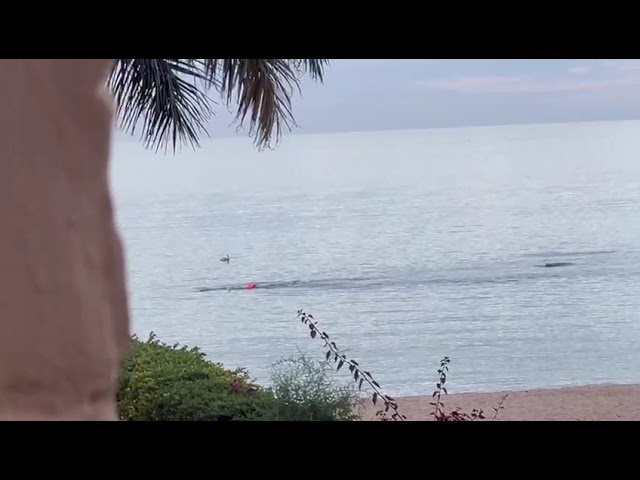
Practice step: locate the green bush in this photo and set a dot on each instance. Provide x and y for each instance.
(171, 382)
(306, 390)
(197, 397)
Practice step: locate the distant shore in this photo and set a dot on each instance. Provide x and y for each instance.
(587, 403)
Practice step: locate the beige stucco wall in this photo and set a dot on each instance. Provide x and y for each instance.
(63, 304)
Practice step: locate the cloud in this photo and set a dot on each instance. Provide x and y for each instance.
(525, 84)
(579, 70)
(623, 66)
(475, 84)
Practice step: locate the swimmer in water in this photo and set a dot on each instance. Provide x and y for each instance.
(248, 286)
(225, 259)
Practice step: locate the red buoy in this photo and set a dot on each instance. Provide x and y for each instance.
(251, 285)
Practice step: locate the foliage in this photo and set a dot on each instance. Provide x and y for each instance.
(199, 397)
(500, 407)
(305, 390)
(168, 98)
(171, 382)
(439, 413)
(362, 377)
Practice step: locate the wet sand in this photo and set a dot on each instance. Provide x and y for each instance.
(588, 403)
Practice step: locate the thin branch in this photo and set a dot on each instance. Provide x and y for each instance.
(359, 375)
(500, 407)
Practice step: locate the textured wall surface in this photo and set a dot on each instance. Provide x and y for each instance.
(63, 305)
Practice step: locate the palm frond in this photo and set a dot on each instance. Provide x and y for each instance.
(314, 67)
(163, 96)
(169, 96)
(260, 86)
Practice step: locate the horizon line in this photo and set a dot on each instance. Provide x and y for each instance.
(298, 133)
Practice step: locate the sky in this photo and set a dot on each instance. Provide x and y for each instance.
(394, 94)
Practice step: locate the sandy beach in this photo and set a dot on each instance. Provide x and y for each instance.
(588, 403)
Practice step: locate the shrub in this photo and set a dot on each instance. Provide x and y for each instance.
(175, 383)
(305, 390)
(198, 397)
(171, 382)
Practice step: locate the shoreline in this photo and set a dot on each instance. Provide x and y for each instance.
(582, 403)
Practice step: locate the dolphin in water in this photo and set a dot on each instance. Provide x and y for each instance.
(558, 264)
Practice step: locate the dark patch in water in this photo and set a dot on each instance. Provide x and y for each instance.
(557, 264)
(414, 281)
(329, 283)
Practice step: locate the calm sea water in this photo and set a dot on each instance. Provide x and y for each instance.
(405, 245)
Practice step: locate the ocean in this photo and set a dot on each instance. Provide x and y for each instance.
(406, 246)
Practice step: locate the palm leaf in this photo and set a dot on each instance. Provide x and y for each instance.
(158, 96)
(168, 98)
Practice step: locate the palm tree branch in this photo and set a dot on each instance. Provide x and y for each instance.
(262, 89)
(163, 95)
(168, 97)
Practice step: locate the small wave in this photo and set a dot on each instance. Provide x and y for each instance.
(336, 283)
(418, 281)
